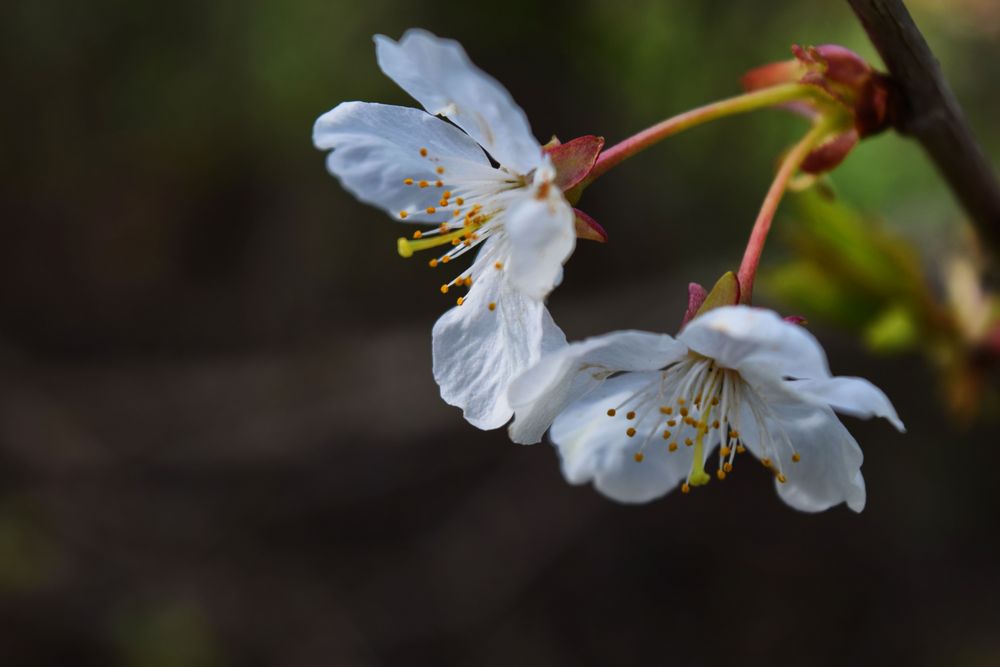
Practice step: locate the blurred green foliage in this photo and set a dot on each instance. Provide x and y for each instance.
(165, 633)
(848, 270)
(29, 560)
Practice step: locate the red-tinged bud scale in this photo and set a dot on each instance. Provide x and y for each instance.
(848, 80)
(696, 297)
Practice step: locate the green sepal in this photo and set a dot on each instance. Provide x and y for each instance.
(725, 293)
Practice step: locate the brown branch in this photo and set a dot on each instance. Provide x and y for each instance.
(927, 110)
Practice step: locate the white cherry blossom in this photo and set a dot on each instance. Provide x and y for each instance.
(639, 414)
(481, 180)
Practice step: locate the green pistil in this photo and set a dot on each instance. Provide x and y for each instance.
(698, 476)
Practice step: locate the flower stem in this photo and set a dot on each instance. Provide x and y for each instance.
(755, 245)
(759, 99)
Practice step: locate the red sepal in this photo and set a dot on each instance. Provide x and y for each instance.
(574, 159)
(588, 228)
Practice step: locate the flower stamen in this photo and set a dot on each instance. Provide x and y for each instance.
(700, 404)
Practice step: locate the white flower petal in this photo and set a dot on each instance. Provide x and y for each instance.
(438, 74)
(542, 392)
(829, 469)
(850, 395)
(478, 351)
(594, 447)
(748, 425)
(377, 146)
(757, 343)
(541, 236)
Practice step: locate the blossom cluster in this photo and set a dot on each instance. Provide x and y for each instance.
(637, 414)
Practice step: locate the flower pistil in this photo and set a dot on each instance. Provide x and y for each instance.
(696, 403)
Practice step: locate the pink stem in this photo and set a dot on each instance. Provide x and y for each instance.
(755, 246)
(741, 103)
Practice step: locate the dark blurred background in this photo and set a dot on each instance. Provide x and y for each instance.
(220, 440)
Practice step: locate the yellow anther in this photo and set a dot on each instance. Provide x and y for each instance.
(439, 184)
(638, 457)
(468, 281)
(446, 259)
(672, 422)
(440, 170)
(781, 478)
(407, 181)
(725, 451)
(456, 241)
(423, 152)
(685, 488)
(498, 266)
(727, 466)
(459, 201)
(456, 213)
(460, 300)
(403, 214)
(417, 234)
(796, 458)
(443, 202)
(666, 409)
(715, 400)
(431, 209)
(765, 462)
(715, 424)
(688, 442)
(630, 432)
(432, 263)
(444, 289)
(684, 412)
(630, 415)
(681, 401)
(672, 447)
(612, 412)
(666, 435)
(423, 184)
(721, 474)
(446, 194)
(740, 449)
(492, 306)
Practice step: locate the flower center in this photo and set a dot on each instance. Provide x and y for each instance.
(466, 207)
(696, 404)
